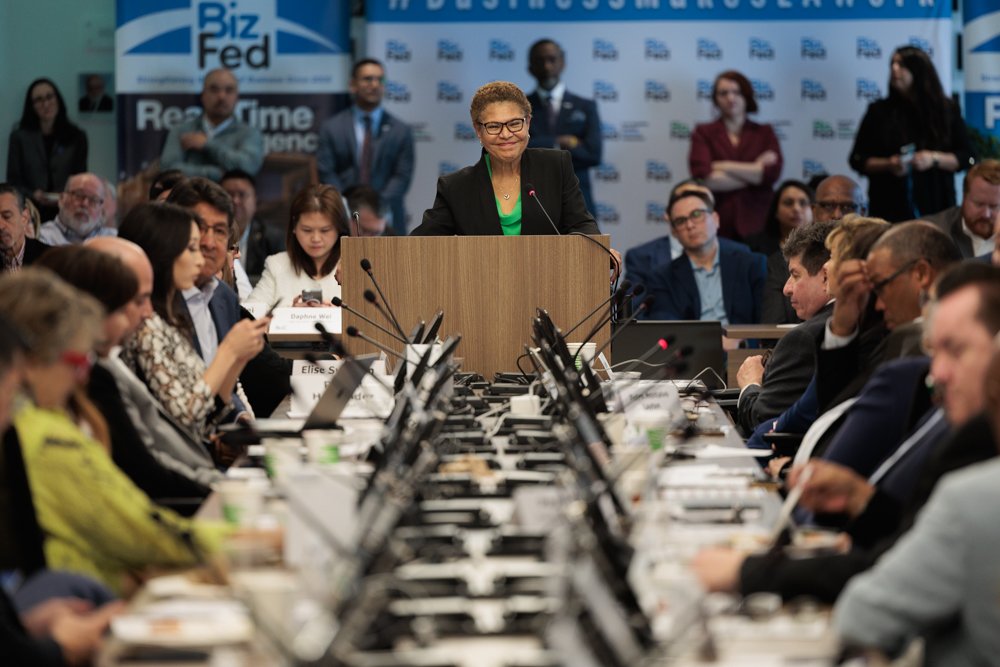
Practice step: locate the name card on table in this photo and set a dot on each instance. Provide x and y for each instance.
(646, 397)
(303, 320)
(309, 381)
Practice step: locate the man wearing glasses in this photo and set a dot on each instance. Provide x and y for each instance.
(715, 279)
(81, 213)
(366, 145)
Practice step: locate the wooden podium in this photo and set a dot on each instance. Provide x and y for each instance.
(487, 286)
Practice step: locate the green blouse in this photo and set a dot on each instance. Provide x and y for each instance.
(510, 223)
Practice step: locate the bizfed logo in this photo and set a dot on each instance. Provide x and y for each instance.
(220, 34)
(654, 211)
(704, 91)
(501, 50)
(449, 51)
(813, 90)
(445, 167)
(762, 90)
(633, 130)
(448, 92)
(609, 132)
(761, 49)
(708, 50)
(604, 50)
(605, 91)
(464, 132)
(397, 51)
(866, 89)
(396, 92)
(846, 128)
(656, 91)
(922, 44)
(656, 50)
(607, 173)
(823, 130)
(679, 130)
(606, 213)
(657, 171)
(868, 48)
(812, 168)
(812, 49)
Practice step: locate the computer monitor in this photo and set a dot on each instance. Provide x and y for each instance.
(703, 337)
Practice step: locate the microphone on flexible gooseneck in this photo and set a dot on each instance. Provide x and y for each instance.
(340, 304)
(366, 266)
(639, 289)
(643, 307)
(373, 300)
(617, 294)
(624, 325)
(534, 195)
(354, 332)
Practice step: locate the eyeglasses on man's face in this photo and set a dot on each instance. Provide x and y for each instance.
(696, 216)
(86, 198)
(496, 127)
(879, 287)
(843, 207)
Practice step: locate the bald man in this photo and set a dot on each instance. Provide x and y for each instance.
(216, 141)
(169, 442)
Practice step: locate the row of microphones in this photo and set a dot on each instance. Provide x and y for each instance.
(339, 303)
(642, 308)
(622, 291)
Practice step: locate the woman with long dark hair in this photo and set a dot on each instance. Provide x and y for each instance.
(911, 143)
(317, 222)
(46, 148)
(162, 351)
(738, 159)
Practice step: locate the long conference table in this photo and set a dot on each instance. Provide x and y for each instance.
(684, 490)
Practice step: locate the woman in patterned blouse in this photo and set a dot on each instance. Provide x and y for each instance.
(162, 352)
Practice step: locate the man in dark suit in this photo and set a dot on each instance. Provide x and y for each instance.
(560, 119)
(367, 145)
(971, 225)
(214, 307)
(16, 249)
(715, 279)
(257, 239)
(96, 98)
(768, 390)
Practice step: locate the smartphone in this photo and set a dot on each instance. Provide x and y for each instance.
(906, 154)
(312, 296)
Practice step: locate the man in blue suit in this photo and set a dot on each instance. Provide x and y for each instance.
(560, 119)
(715, 279)
(366, 145)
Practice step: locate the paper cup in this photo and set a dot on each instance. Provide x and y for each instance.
(242, 500)
(587, 354)
(324, 446)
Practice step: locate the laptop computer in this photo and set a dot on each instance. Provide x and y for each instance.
(330, 405)
(703, 337)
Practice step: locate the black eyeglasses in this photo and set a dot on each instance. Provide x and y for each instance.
(696, 216)
(514, 125)
(845, 207)
(881, 285)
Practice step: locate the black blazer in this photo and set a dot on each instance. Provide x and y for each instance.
(33, 250)
(466, 206)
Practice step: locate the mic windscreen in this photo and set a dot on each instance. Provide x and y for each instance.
(352, 331)
(366, 265)
(639, 289)
(531, 189)
(320, 328)
(646, 303)
(663, 344)
(370, 296)
(625, 286)
(336, 301)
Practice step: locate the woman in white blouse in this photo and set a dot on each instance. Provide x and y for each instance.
(317, 222)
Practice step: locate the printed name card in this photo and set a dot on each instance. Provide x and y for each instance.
(309, 381)
(647, 397)
(303, 320)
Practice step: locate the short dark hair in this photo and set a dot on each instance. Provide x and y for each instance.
(11, 189)
(193, 191)
(239, 175)
(690, 193)
(772, 226)
(985, 278)
(542, 42)
(163, 181)
(808, 243)
(103, 276)
(363, 195)
(324, 199)
(163, 231)
(746, 88)
(916, 240)
(365, 61)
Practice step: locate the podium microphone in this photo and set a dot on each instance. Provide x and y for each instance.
(357, 223)
(643, 307)
(373, 300)
(618, 293)
(353, 332)
(366, 266)
(534, 195)
(340, 304)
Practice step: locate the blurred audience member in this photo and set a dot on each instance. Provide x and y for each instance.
(257, 239)
(81, 212)
(16, 249)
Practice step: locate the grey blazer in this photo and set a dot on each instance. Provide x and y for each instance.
(239, 146)
(950, 222)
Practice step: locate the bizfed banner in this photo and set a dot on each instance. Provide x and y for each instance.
(981, 45)
(291, 57)
(815, 65)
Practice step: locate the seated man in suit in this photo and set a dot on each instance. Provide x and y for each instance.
(367, 145)
(214, 307)
(257, 239)
(715, 279)
(16, 249)
(367, 212)
(971, 224)
(648, 258)
(767, 391)
(560, 119)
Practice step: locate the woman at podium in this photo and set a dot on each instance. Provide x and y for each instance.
(512, 190)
